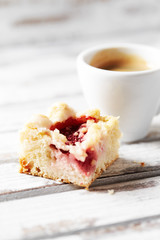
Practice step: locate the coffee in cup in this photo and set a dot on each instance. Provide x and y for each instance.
(114, 59)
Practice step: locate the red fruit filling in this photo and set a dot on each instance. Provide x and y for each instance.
(71, 128)
(86, 167)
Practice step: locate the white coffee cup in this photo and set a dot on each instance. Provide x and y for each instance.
(134, 96)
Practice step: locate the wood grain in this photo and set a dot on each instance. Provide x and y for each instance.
(144, 228)
(26, 188)
(13, 120)
(81, 27)
(63, 213)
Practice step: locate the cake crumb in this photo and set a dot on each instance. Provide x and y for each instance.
(111, 191)
(58, 181)
(141, 163)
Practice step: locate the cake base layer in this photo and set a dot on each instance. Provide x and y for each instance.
(64, 175)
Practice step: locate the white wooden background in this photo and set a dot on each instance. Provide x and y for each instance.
(39, 42)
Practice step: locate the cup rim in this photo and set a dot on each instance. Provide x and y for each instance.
(100, 47)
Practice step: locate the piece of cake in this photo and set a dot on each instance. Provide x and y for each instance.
(73, 147)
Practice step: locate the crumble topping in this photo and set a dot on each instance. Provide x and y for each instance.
(39, 121)
(60, 112)
(111, 191)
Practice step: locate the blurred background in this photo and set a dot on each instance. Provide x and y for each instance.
(40, 40)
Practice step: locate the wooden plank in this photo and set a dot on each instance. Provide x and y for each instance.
(41, 21)
(137, 157)
(49, 87)
(29, 186)
(144, 228)
(12, 181)
(63, 213)
(14, 115)
(9, 144)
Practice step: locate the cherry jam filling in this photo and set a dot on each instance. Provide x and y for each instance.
(89, 164)
(75, 129)
(87, 167)
(72, 127)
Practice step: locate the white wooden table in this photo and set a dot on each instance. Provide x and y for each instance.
(39, 42)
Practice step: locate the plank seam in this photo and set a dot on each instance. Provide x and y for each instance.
(51, 189)
(79, 93)
(107, 227)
